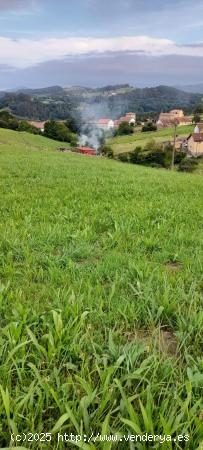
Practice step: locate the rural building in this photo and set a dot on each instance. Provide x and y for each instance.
(199, 128)
(195, 144)
(109, 124)
(129, 118)
(175, 115)
(38, 125)
(105, 124)
(86, 151)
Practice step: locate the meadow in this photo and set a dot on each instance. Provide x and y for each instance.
(121, 144)
(100, 300)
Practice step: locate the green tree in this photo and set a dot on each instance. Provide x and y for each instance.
(149, 126)
(25, 126)
(106, 150)
(59, 131)
(124, 129)
(73, 124)
(196, 118)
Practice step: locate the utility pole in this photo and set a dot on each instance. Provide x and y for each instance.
(174, 145)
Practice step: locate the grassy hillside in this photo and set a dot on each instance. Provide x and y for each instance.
(122, 144)
(100, 299)
(14, 140)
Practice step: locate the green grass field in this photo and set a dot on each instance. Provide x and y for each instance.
(100, 300)
(121, 144)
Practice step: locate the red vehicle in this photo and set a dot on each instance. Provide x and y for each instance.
(87, 151)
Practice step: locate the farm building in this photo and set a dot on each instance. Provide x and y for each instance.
(199, 128)
(109, 124)
(105, 124)
(37, 124)
(195, 144)
(175, 115)
(86, 151)
(129, 118)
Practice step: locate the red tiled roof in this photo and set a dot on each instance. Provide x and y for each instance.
(197, 137)
(103, 121)
(85, 148)
(36, 124)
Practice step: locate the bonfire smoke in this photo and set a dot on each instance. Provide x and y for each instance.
(91, 136)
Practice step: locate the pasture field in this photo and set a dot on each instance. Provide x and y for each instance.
(100, 301)
(121, 144)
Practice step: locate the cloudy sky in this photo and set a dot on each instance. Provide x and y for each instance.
(98, 42)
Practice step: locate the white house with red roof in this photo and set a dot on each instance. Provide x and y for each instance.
(109, 124)
(105, 124)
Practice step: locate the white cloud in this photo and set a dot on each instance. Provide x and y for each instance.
(24, 53)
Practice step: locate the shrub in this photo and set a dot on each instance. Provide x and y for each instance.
(3, 123)
(124, 157)
(124, 129)
(7, 120)
(179, 156)
(106, 150)
(188, 165)
(153, 154)
(134, 157)
(58, 131)
(149, 126)
(25, 126)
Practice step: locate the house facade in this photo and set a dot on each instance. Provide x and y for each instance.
(195, 144)
(199, 128)
(109, 124)
(105, 124)
(37, 124)
(174, 116)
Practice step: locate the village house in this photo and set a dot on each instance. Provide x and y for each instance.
(195, 144)
(174, 116)
(199, 128)
(37, 124)
(105, 124)
(109, 124)
(130, 118)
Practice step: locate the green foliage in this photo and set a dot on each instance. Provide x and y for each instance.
(179, 156)
(188, 165)
(53, 104)
(121, 144)
(74, 124)
(198, 108)
(149, 126)
(23, 125)
(153, 154)
(196, 118)
(124, 157)
(100, 298)
(124, 129)
(134, 157)
(7, 120)
(59, 131)
(106, 150)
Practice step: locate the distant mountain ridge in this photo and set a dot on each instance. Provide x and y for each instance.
(56, 102)
(194, 88)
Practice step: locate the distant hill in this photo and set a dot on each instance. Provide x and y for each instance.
(56, 102)
(194, 88)
(118, 101)
(47, 91)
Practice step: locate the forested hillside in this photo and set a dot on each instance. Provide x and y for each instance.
(59, 103)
